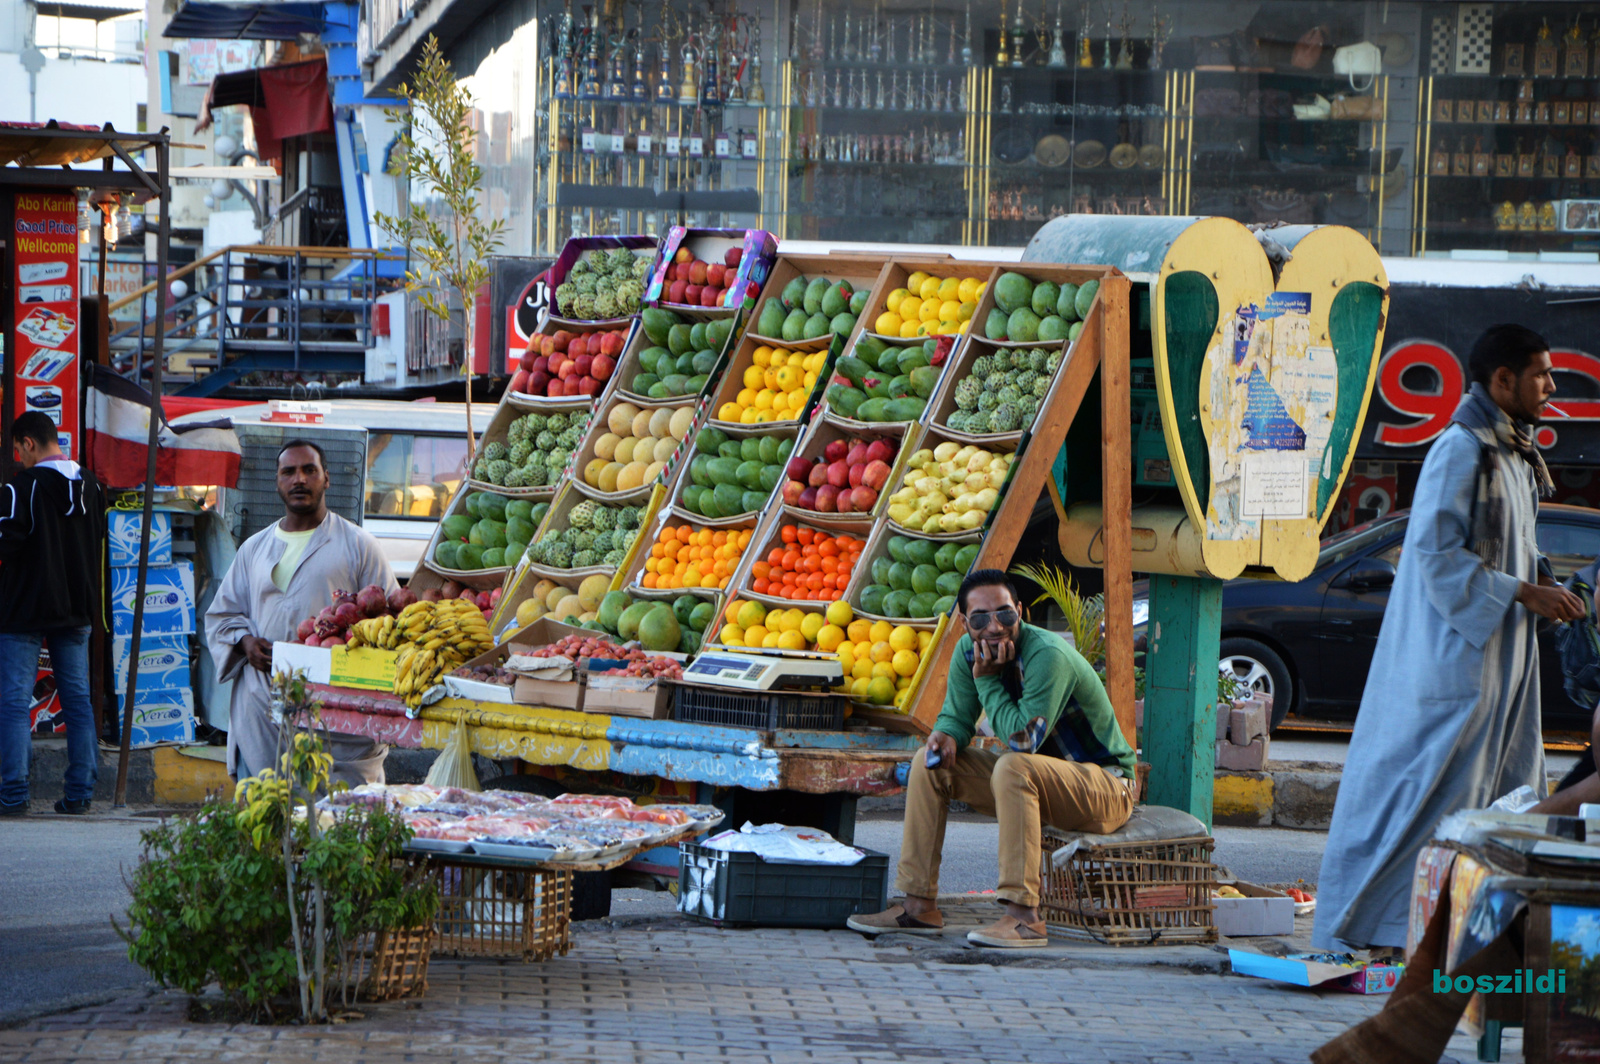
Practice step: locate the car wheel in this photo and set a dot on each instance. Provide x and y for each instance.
(1259, 667)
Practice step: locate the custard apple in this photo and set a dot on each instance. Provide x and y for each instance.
(497, 470)
(587, 284)
(1024, 381)
(565, 294)
(582, 515)
(568, 439)
(615, 558)
(585, 264)
(957, 421)
(557, 460)
(1038, 359)
(556, 422)
(1005, 418)
(582, 539)
(605, 305)
(629, 517)
(545, 441)
(558, 555)
(987, 400)
(520, 452)
(513, 478)
(582, 307)
(1029, 407)
(640, 267)
(1053, 363)
(1041, 387)
(536, 423)
(604, 519)
(516, 432)
(583, 559)
(967, 393)
(534, 474)
(981, 367)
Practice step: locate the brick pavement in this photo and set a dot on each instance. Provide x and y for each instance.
(658, 988)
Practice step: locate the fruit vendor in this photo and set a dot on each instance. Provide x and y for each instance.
(283, 574)
(1069, 765)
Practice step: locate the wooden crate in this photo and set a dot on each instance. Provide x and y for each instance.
(905, 437)
(953, 349)
(877, 547)
(674, 518)
(628, 362)
(862, 271)
(598, 426)
(931, 438)
(576, 246)
(512, 407)
(390, 964)
(1132, 893)
(784, 430)
(548, 327)
(896, 273)
(943, 403)
(769, 535)
(486, 911)
(732, 381)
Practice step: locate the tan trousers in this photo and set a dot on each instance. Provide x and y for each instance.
(1019, 790)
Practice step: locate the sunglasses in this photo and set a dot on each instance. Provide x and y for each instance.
(980, 619)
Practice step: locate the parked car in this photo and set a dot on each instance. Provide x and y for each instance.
(1310, 643)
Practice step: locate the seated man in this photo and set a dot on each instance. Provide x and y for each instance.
(1072, 768)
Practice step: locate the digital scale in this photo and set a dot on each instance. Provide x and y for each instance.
(764, 672)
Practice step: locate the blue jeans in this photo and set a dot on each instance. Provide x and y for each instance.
(19, 669)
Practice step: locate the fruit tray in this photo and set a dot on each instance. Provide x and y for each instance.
(897, 276)
(826, 466)
(770, 537)
(543, 375)
(948, 400)
(478, 577)
(931, 441)
(559, 519)
(867, 386)
(701, 476)
(573, 249)
(672, 520)
(745, 255)
(900, 563)
(1004, 293)
(861, 272)
(706, 339)
(498, 435)
(744, 358)
(668, 423)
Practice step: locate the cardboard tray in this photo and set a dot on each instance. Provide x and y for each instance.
(760, 249)
(574, 247)
(624, 696)
(931, 438)
(1261, 912)
(1034, 272)
(598, 427)
(732, 381)
(895, 274)
(628, 362)
(780, 429)
(862, 271)
(513, 406)
(557, 519)
(946, 372)
(673, 518)
(478, 579)
(944, 401)
(548, 327)
(877, 547)
(905, 436)
(768, 535)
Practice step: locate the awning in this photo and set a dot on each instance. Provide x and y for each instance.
(249, 22)
(63, 143)
(95, 12)
(290, 100)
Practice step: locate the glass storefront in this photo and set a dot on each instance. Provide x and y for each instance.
(1429, 127)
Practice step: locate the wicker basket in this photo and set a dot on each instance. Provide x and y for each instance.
(385, 965)
(1132, 893)
(497, 912)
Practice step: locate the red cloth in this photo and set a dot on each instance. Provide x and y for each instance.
(294, 102)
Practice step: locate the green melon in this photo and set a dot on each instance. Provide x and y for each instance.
(659, 629)
(1012, 292)
(611, 609)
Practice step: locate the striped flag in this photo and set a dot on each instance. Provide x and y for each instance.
(117, 431)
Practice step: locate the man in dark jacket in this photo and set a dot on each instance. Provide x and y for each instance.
(48, 562)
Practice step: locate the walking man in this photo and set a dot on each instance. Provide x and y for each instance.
(283, 574)
(48, 595)
(1450, 716)
(1070, 767)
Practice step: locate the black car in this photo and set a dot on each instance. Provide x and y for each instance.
(1310, 643)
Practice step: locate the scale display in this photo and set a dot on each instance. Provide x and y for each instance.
(763, 673)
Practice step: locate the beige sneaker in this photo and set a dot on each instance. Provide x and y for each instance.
(895, 919)
(1010, 933)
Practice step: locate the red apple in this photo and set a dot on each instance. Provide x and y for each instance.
(835, 450)
(553, 389)
(808, 499)
(581, 364)
(697, 272)
(519, 382)
(792, 491)
(798, 468)
(827, 499)
(879, 451)
(527, 361)
(863, 499)
(611, 344)
(710, 297)
(876, 474)
(841, 502)
(683, 255)
(818, 475)
(570, 385)
(732, 257)
(839, 474)
(856, 471)
(540, 365)
(564, 370)
(857, 453)
(545, 344)
(714, 273)
(563, 338)
(588, 386)
(679, 291)
(602, 366)
(538, 383)
(691, 294)
(494, 596)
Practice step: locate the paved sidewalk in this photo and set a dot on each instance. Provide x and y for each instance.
(658, 988)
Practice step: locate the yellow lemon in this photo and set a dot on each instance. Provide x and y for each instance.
(761, 356)
(789, 377)
(731, 635)
(750, 613)
(904, 637)
(753, 376)
(791, 640)
(950, 310)
(783, 621)
(840, 614)
(881, 631)
(904, 662)
(965, 311)
(910, 308)
(892, 303)
(807, 382)
(811, 626)
(746, 397)
(888, 324)
(728, 412)
(748, 416)
(982, 288)
(857, 630)
(929, 311)
(967, 290)
(930, 288)
(882, 652)
(884, 669)
(902, 683)
(781, 359)
(911, 329)
(829, 638)
(862, 669)
(965, 325)
(914, 282)
(880, 690)
(858, 689)
(764, 399)
(924, 641)
(949, 287)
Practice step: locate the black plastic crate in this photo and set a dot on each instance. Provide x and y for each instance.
(761, 710)
(740, 889)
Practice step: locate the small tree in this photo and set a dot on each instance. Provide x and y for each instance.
(435, 152)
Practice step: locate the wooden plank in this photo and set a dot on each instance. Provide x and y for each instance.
(1030, 479)
(1116, 497)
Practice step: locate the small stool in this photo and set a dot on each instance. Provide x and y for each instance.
(1147, 883)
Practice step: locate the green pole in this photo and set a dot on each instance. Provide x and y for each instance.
(1180, 697)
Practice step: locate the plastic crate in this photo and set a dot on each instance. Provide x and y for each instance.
(740, 889)
(761, 710)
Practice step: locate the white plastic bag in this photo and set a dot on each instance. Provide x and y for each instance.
(454, 765)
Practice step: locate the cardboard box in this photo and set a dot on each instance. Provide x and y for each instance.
(168, 599)
(1247, 722)
(606, 691)
(162, 717)
(759, 249)
(315, 662)
(164, 663)
(1234, 758)
(556, 694)
(122, 537)
(1261, 912)
(1337, 971)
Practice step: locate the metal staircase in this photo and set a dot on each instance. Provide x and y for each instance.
(252, 309)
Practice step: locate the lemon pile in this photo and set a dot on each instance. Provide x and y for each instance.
(751, 624)
(930, 306)
(777, 384)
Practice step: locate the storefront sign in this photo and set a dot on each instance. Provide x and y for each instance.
(749, 146)
(587, 140)
(45, 310)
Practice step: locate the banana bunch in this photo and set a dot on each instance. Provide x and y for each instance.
(436, 637)
(372, 632)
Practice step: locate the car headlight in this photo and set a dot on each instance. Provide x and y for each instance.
(1141, 611)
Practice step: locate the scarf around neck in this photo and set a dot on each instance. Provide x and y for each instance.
(1494, 428)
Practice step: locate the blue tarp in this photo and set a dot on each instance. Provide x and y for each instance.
(388, 269)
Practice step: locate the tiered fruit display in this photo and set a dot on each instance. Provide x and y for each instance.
(876, 380)
(930, 306)
(917, 578)
(491, 531)
(693, 282)
(845, 479)
(1003, 390)
(538, 448)
(684, 556)
(637, 446)
(807, 563)
(567, 363)
(1026, 311)
(684, 365)
(806, 310)
(777, 385)
(604, 283)
(950, 488)
(729, 477)
(596, 534)
(560, 603)
(433, 638)
(333, 626)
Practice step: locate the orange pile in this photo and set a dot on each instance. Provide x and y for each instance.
(807, 564)
(685, 556)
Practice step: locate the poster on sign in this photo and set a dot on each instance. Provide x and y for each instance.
(45, 311)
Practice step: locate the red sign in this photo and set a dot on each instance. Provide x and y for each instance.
(46, 311)
(1434, 400)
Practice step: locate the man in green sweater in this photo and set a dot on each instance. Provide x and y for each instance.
(1070, 766)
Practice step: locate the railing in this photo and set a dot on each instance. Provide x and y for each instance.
(256, 307)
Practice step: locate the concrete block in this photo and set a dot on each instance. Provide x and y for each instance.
(49, 769)
(186, 776)
(1242, 799)
(1305, 799)
(1224, 721)
(1247, 722)
(1247, 757)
